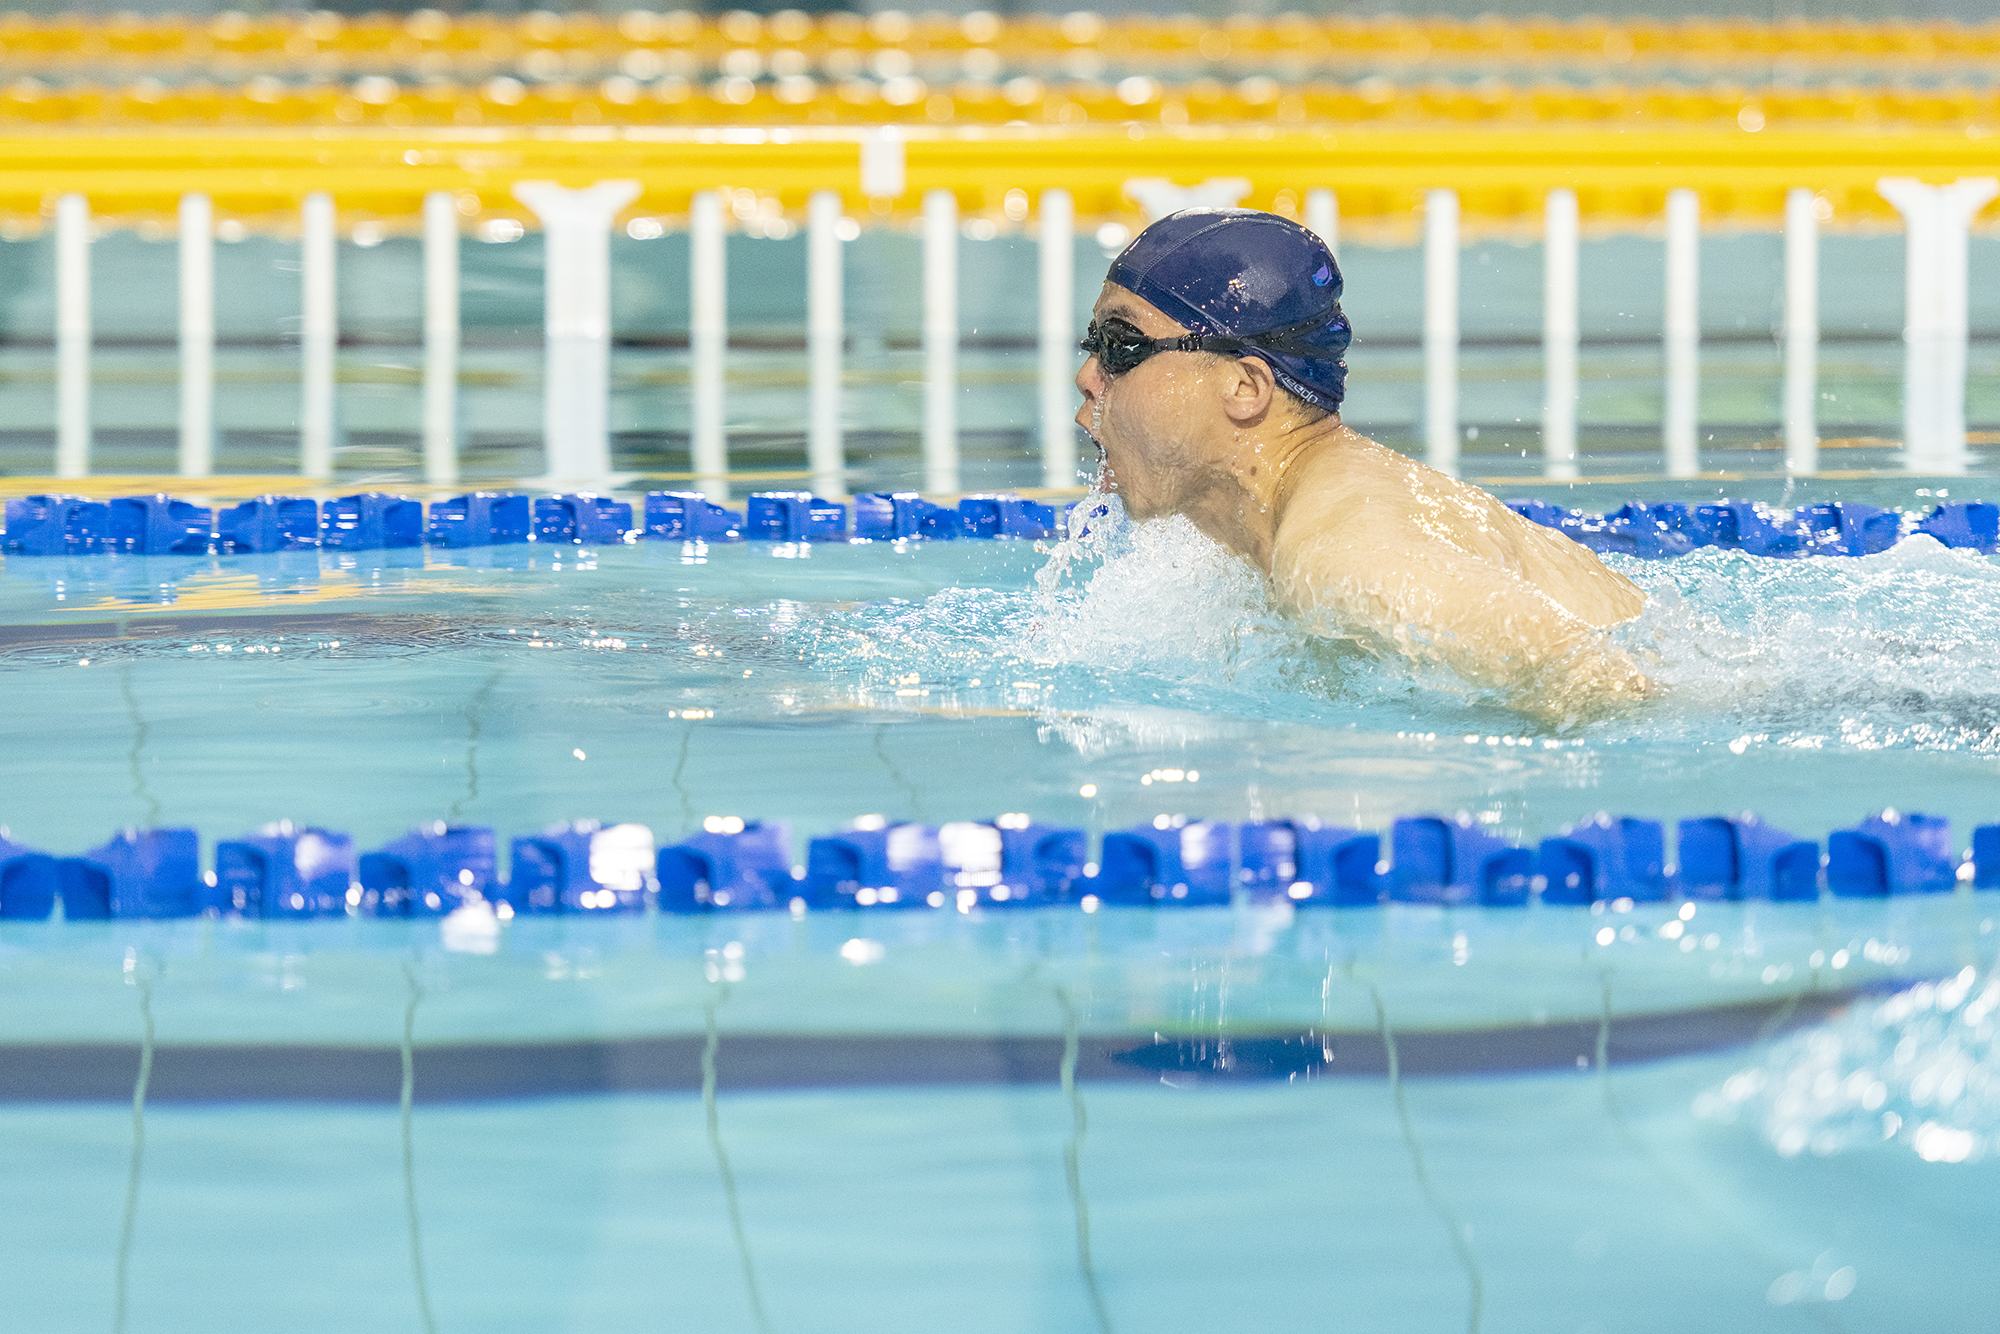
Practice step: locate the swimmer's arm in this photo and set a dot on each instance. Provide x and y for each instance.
(1436, 603)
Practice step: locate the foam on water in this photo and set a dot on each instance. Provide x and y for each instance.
(1921, 1069)
(1161, 595)
(1899, 650)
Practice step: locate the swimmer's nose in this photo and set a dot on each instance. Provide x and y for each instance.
(1090, 383)
(1090, 376)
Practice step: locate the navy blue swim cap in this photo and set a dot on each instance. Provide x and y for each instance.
(1240, 273)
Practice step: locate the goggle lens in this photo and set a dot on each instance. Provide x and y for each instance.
(1117, 345)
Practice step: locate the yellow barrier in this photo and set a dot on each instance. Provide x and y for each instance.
(736, 101)
(1380, 173)
(551, 45)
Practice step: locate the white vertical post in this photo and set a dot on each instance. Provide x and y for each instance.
(319, 336)
(1560, 333)
(1323, 218)
(1683, 334)
(708, 340)
(576, 266)
(1937, 221)
(197, 295)
(1057, 245)
(940, 341)
(72, 336)
(1441, 329)
(826, 338)
(441, 338)
(1801, 333)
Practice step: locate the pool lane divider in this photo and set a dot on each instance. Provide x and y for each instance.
(59, 525)
(586, 867)
(1837, 528)
(161, 525)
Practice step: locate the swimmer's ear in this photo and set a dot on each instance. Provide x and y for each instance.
(1248, 390)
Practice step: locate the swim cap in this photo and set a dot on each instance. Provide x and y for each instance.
(1240, 273)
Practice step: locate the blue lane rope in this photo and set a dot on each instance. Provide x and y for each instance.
(734, 865)
(58, 525)
(160, 525)
(1838, 528)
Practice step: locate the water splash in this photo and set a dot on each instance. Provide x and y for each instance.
(1160, 594)
(1898, 650)
(1920, 1069)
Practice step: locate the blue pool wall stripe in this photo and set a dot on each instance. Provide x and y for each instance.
(1013, 861)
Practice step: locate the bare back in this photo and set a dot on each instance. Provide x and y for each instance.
(1378, 547)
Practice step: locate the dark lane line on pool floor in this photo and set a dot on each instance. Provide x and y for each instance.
(471, 1072)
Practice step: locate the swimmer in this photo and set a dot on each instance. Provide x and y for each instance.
(1213, 389)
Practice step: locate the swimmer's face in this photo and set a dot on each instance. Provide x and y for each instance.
(1151, 420)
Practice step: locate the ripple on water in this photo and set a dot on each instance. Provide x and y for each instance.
(1921, 1069)
(1899, 650)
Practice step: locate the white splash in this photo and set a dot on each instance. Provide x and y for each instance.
(1921, 1068)
(1160, 594)
(1896, 650)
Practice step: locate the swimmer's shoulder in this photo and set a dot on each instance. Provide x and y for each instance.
(1355, 490)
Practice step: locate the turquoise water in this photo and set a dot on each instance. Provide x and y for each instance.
(1598, 1121)
(1588, 1203)
(1593, 1195)
(519, 687)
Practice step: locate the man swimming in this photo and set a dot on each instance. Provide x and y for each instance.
(1213, 389)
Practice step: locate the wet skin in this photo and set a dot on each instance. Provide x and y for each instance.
(1361, 541)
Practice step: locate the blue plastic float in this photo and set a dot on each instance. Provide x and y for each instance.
(1603, 858)
(159, 525)
(690, 516)
(793, 516)
(281, 871)
(734, 865)
(479, 519)
(582, 518)
(1723, 858)
(428, 872)
(49, 525)
(269, 523)
(891, 516)
(27, 882)
(1452, 861)
(371, 521)
(1173, 860)
(56, 526)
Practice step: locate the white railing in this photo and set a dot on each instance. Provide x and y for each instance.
(576, 389)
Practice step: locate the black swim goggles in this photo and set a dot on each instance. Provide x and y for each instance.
(1120, 346)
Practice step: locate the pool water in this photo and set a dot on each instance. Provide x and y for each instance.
(519, 686)
(1746, 1117)
(1586, 1203)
